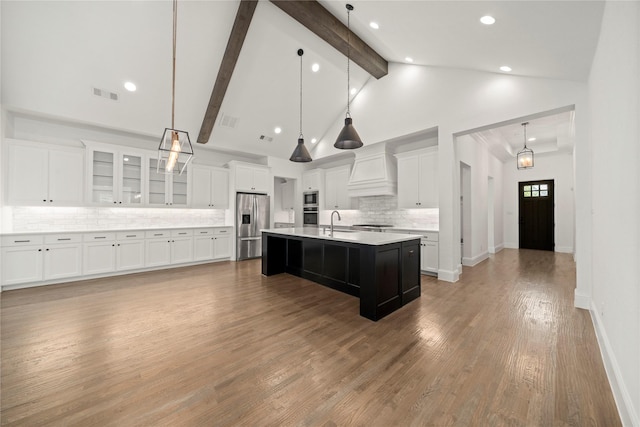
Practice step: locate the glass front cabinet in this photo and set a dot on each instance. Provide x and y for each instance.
(167, 189)
(117, 177)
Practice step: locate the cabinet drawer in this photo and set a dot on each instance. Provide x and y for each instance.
(62, 238)
(203, 232)
(157, 233)
(130, 235)
(98, 237)
(181, 233)
(222, 231)
(22, 240)
(432, 237)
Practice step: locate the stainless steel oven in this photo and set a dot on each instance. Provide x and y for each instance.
(310, 216)
(310, 199)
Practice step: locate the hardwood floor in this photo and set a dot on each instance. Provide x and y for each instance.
(221, 345)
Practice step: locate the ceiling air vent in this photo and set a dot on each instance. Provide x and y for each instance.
(228, 121)
(265, 138)
(105, 94)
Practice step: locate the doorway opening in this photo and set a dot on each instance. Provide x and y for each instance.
(536, 216)
(465, 214)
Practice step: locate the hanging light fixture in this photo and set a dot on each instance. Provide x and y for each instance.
(525, 156)
(175, 146)
(300, 153)
(348, 138)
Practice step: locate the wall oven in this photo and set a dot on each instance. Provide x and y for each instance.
(310, 199)
(310, 216)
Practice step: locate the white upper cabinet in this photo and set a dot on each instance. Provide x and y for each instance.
(167, 189)
(116, 177)
(252, 178)
(312, 180)
(336, 195)
(418, 179)
(209, 187)
(41, 175)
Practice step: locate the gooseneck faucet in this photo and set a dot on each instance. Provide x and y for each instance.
(339, 219)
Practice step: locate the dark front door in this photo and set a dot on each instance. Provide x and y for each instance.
(536, 215)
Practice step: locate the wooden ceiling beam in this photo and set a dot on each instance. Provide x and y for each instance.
(231, 54)
(318, 20)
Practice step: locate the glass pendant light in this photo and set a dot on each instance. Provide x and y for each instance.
(348, 138)
(525, 156)
(175, 146)
(300, 153)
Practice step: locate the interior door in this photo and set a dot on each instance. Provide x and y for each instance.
(536, 219)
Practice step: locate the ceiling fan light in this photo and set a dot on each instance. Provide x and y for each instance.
(348, 139)
(300, 153)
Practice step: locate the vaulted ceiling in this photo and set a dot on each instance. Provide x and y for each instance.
(54, 53)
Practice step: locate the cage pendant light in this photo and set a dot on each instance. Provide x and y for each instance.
(175, 150)
(348, 138)
(525, 156)
(300, 153)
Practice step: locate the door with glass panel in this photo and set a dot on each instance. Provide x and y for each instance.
(536, 216)
(167, 189)
(116, 178)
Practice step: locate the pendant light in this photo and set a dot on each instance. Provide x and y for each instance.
(175, 146)
(525, 156)
(348, 138)
(300, 153)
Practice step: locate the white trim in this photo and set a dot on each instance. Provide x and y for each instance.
(510, 245)
(496, 249)
(612, 368)
(471, 262)
(581, 301)
(564, 249)
(448, 276)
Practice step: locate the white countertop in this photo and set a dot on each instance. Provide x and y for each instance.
(373, 238)
(393, 229)
(112, 230)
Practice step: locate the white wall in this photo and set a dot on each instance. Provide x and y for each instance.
(413, 98)
(557, 166)
(614, 293)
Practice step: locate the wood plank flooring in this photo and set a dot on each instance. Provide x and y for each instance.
(221, 345)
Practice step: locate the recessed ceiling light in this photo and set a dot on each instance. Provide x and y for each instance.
(354, 91)
(314, 140)
(277, 130)
(408, 59)
(131, 87)
(533, 138)
(374, 25)
(505, 68)
(488, 20)
(315, 67)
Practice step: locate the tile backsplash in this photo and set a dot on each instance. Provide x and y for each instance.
(384, 210)
(34, 219)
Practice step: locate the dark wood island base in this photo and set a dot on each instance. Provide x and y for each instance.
(384, 276)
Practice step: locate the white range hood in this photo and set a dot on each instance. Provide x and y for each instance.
(374, 172)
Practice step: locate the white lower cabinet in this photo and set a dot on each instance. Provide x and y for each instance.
(157, 248)
(211, 243)
(429, 253)
(99, 253)
(129, 250)
(181, 246)
(29, 258)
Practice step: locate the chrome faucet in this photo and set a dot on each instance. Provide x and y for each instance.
(339, 219)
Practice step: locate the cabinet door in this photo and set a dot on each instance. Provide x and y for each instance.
(66, 177)
(28, 175)
(179, 187)
(337, 196)
(62, 261)
(129, 254)
(21, 264)
(130, 179)
(261, 180)
(157, 252)
(429, 256)
(244, 178)
(201, 187)
(222, 246)
(286, 201)
(408, 183)
(103, 177)
(428, 196)
(220, 189)
(311, 181)
(203, 248)
(181, 250)
(99, 257)
(157, 186)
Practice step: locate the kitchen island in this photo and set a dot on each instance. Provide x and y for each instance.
(382, 269)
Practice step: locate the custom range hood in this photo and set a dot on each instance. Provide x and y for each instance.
(374, 172)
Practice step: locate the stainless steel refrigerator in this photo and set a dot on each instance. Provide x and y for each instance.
(252, 215)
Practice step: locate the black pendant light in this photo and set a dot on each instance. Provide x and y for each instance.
(525, 156)
(348, 138)
(300, 154)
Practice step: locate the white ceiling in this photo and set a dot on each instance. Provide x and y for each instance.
(54, 52)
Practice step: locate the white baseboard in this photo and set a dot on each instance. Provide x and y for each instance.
(470, 262)
(496, 249)
(581, 300)
(459, 269)
(448, 275)
(612, 368)
(510, 245)
(564, 249)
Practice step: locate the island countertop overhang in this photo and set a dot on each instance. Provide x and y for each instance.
(360, 237)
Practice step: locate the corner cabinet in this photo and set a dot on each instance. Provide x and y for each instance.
(116, 177)
(251, 178)
(209, 187)
(418, 179)
(40, 175)
(336, 196)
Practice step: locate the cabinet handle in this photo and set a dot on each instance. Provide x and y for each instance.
(51, 201)
(411, 253)
(100, 237)
(47, 249)
(39, 250)
(118, 244)
(113, 244)
(131, 235)
(120, 202)
(158, 234)
(114, 202)
(21, 241)
(64, 239)
(182, 233)
(44, 200)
